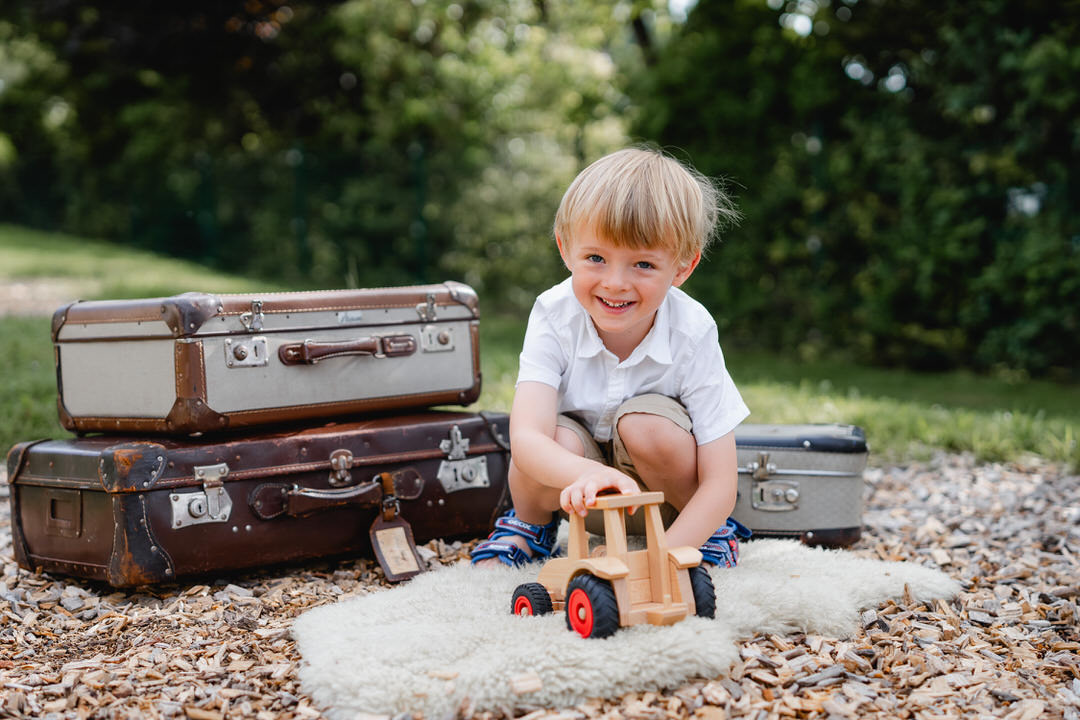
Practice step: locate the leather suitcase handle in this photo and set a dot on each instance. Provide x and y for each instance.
(310, 352)
(270, 500)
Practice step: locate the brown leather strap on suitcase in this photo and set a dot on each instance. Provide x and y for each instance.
(391, 507)
(504, 502)
(270, 500)
(310, 352)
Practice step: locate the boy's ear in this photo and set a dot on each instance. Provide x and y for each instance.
(562, 251)
(686, 270)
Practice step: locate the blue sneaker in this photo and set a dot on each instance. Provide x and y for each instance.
(723, 547)
(539, 538)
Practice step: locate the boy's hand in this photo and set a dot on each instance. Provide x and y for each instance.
(579, 496)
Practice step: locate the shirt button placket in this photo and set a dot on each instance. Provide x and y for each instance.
(616, 383)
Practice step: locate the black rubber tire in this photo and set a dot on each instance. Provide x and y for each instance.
(600, 599)
(704, 592)
(535, 595)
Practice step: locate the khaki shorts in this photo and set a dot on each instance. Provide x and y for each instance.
(614, 453)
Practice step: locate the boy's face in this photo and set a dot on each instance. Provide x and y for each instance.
(621, 288)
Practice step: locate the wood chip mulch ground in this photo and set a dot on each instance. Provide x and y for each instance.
(1009, 647)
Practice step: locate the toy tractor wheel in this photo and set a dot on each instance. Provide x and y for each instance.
(591, 609)
(531, 599)
(704, 593)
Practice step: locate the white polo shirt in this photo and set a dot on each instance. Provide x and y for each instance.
(680, 358)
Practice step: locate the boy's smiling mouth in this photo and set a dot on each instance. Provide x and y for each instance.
(615, 304)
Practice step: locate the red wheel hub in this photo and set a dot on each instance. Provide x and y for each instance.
(579, 610)
(522, 606)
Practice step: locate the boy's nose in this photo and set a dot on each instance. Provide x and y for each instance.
(615, 279)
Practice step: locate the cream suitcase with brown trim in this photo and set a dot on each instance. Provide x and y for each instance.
(198, 362)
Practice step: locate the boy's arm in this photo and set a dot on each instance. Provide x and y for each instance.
(536, 454)
(711, 504)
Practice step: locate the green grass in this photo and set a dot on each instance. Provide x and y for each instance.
(93, 270)
(28, 382)
(104, 270)
(906, 415)
(959, 389)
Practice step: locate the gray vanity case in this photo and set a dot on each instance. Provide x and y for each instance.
(801, 481)
(198, 362)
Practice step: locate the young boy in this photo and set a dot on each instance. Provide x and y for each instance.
(622, 382)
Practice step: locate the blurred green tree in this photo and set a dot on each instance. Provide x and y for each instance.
(908, 171)
(361, 142)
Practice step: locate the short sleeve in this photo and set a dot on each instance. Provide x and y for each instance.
(709, 393)
(542, 356)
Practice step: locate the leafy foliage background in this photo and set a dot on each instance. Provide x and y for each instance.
(908, 170)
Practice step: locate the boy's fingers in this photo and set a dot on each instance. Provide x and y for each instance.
(575, 500)
(629, 487)
(583, 501)
(564, 500)
(590, 495)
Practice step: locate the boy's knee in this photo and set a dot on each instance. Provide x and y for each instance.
(569, 440)
(648, 436)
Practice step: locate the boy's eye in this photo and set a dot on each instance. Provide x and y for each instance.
(644, 265)
(594, 258)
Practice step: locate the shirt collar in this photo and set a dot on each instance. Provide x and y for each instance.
(589, 343)
(657, 344)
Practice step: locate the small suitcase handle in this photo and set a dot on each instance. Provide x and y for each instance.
(270, 500)
(310, 352)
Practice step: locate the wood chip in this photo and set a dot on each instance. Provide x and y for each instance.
(443, 674)
(1008, 647)
(526, 683)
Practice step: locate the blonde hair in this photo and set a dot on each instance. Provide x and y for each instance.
(643, 198)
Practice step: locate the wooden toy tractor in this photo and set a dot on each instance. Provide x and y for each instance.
(601, 593)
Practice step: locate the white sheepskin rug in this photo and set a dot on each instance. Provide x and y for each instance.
(447, 637)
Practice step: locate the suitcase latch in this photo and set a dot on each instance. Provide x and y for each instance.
(762, 468)
(771, 495)
(253, 320)
(426, 310)
(459, 472)
(212, 505)
(436, 339)
(775, 495)
(456, 446)
(340, 464)
(246, 353)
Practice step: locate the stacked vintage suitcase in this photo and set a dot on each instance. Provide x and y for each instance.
(197, 468)
(242, 431)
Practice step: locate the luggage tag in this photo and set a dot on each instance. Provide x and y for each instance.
(392, 538)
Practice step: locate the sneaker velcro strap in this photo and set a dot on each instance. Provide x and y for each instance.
(520, 527)
(540, 538)
(505, 552)
(741, 531)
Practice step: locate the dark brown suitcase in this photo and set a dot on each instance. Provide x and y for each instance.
(132, 511)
